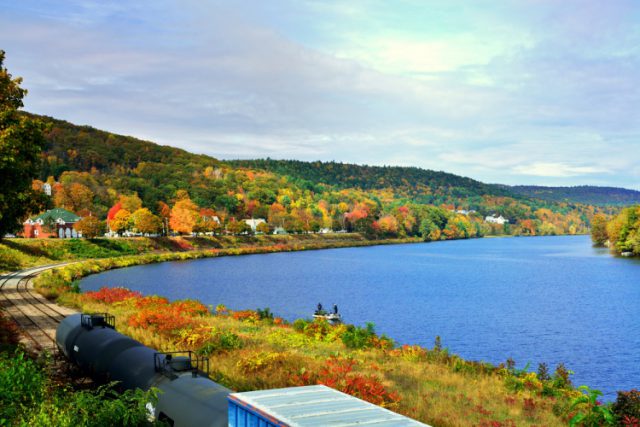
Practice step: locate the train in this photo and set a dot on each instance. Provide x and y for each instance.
(188, 397)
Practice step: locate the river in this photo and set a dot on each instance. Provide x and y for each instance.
(541, 299)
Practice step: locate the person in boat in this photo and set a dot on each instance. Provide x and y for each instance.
(335, 309)
(319, 310)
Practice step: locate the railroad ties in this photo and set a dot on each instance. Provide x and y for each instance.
(36, 316)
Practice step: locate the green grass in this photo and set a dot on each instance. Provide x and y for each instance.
(17, 254)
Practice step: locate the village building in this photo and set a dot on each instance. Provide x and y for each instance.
(280, 230)
(253, 223)
(496, 219)
(46, 187)
(56, 222)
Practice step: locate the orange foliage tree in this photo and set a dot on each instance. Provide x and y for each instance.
(184, 216)
(90, 226)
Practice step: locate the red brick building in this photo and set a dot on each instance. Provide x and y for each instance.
(52, 223)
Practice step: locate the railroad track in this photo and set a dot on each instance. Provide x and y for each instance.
(36, 316)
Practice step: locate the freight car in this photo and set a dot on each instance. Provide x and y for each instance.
(188, 397)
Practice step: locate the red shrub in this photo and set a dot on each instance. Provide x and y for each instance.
(151, 301)
(338, 374)
(111, 295)
(248, 315)
(167, 318)
(189, 307)
(164, 321)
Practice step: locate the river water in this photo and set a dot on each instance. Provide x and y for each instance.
(542, 299)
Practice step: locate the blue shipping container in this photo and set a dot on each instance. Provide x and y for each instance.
(310, 406)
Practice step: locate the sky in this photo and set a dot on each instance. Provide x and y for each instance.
(539, 92)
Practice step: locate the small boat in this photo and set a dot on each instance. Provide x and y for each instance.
(332, 318)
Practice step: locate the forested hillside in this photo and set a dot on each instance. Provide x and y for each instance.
(345, 175)
(92, 171)
(587, 194)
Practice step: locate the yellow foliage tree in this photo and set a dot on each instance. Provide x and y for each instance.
(144, 221)
(120, 221)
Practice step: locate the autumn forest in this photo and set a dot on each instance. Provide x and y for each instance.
(142, 187)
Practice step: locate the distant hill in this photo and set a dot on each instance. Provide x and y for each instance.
(364, 177)
(90, 170)
(585, 194)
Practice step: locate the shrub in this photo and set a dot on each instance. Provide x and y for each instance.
(28, 397)
(220, 342)
(22, 385)
(589, 411)
(246, 316)
(412, 353)
(264, 314)
(9, 332)
(561, 378)
(110, 295)
(300, 324)
(627, 405)
(260, 361)
(356, 337)
(338, 373)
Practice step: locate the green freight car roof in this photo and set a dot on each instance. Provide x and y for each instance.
(316, 406)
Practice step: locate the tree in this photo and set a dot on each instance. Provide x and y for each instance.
(599, 230)
(165, 213)
(21, 143)
(90, 226)
(388, 225)
(74, 197)
(263, 228)
(143, 221)
(184, 215)
(131, 203)
(120, 221)
(238, 227)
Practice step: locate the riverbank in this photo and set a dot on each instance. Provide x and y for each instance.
(251, 350)
(17, 254)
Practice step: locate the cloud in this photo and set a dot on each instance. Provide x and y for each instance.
(507, 93)
(556, 170)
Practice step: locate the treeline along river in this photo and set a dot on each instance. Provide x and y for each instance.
(542, 299)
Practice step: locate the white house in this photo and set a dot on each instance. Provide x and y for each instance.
(46, 187)
(253, 223)
(279, 230)
(496, 219)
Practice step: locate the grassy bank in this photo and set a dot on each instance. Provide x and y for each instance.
(17, 254)
(251, 350)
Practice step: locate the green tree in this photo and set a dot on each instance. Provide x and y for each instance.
(21, 143)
